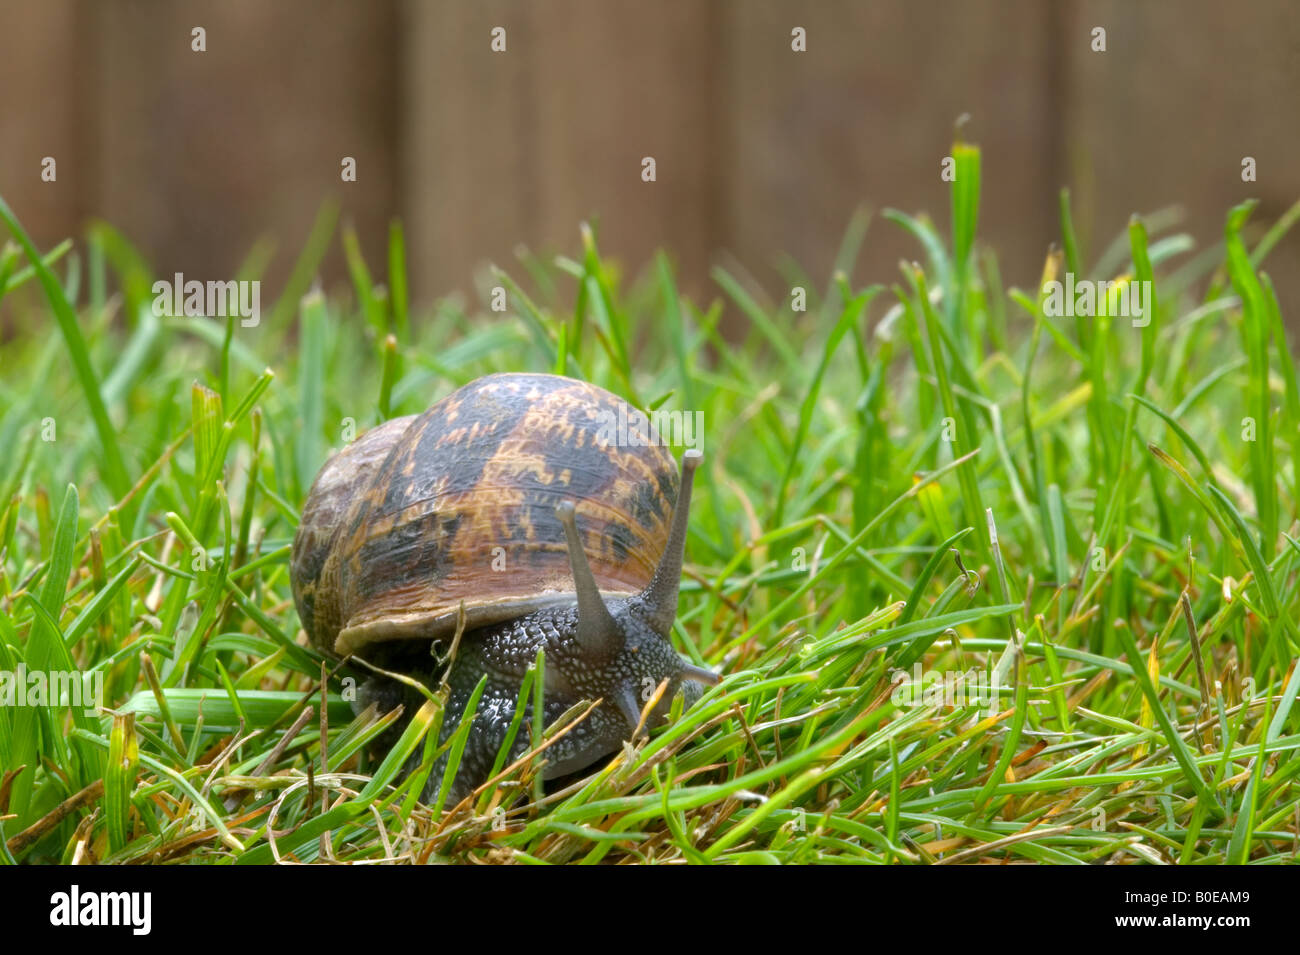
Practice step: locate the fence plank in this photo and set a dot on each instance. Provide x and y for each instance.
(42, 114)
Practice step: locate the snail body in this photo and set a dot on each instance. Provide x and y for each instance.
(505, 510)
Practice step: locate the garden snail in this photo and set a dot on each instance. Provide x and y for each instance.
(506, 499)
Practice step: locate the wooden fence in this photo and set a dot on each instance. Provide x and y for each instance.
(760, 151)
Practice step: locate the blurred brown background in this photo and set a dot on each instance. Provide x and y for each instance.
(761, 152)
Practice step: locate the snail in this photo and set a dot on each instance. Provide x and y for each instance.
(506, 510)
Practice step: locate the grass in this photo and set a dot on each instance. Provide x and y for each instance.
(1097, 518)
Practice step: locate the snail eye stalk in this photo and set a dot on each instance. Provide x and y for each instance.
(598, 634)
(660, 597)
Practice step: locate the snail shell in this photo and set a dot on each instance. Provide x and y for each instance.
(458, 504)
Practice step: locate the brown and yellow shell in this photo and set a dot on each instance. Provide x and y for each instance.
(458, 504)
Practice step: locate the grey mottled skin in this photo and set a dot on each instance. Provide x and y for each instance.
(505, 653)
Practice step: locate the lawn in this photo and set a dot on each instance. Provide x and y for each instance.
(986, 581)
